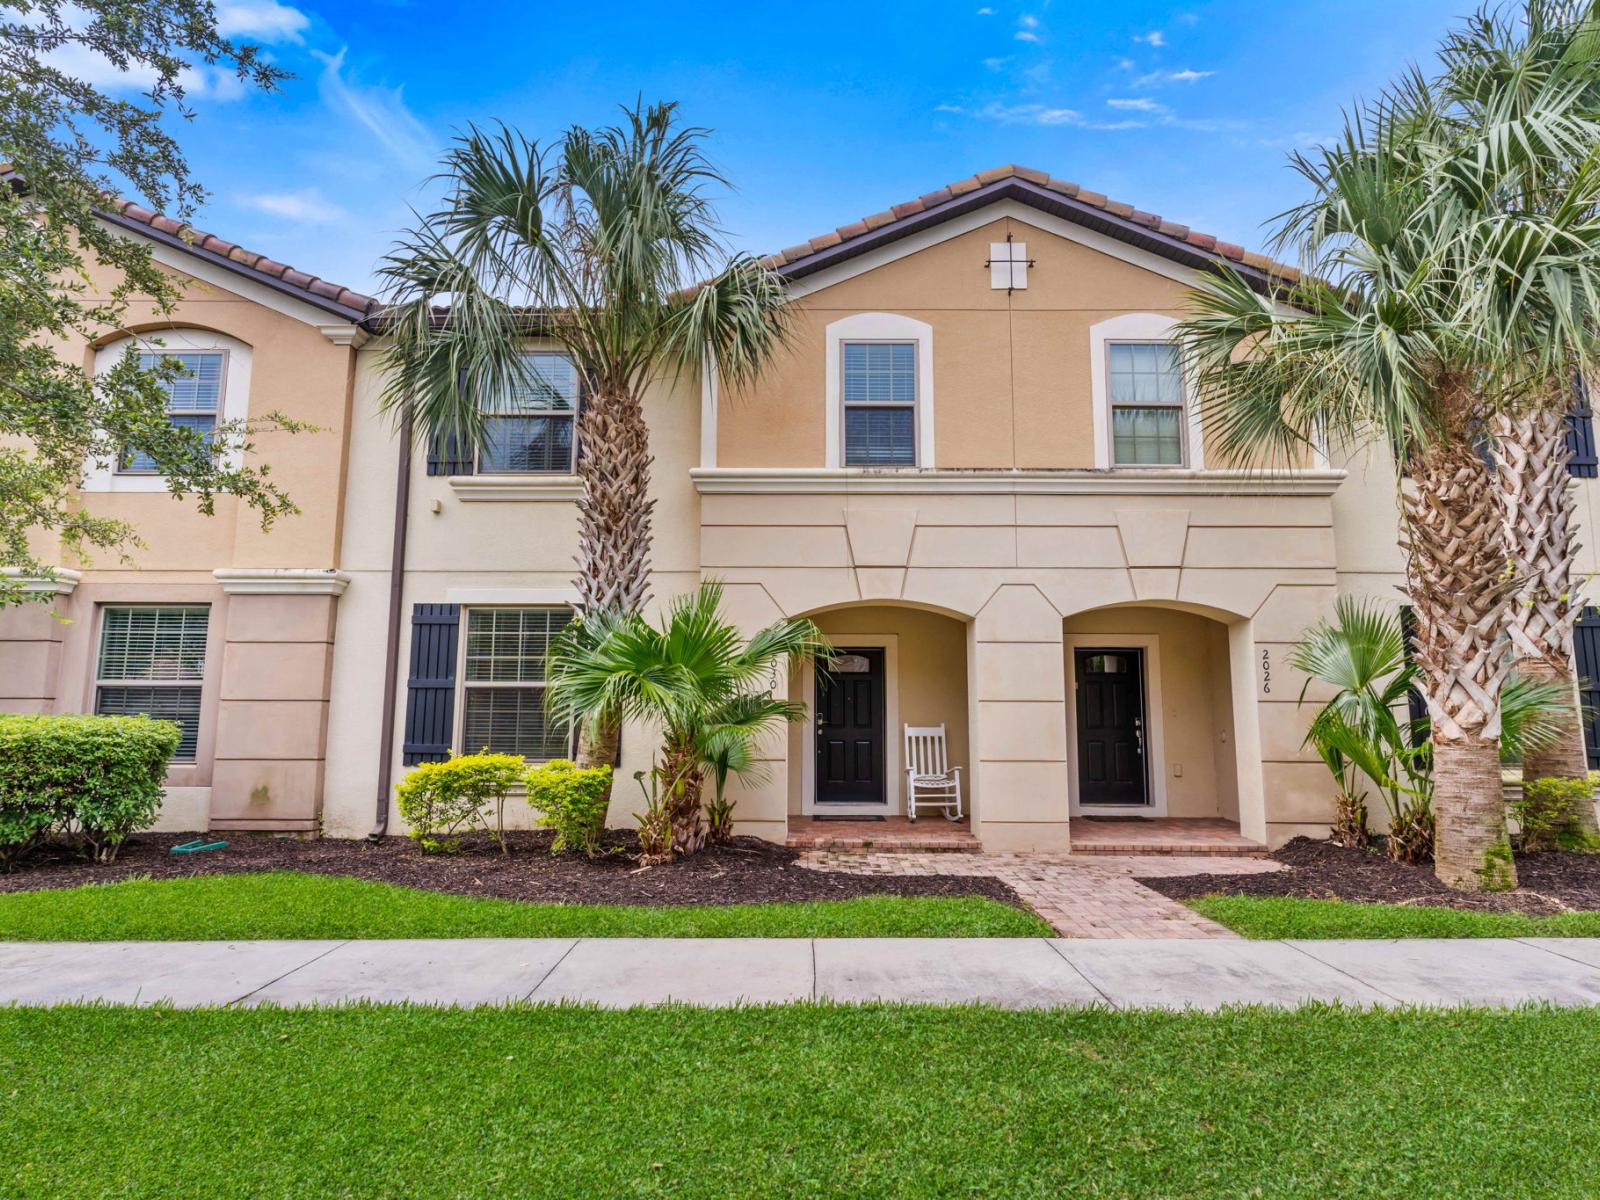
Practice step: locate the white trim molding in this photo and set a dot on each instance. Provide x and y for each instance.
(893, 785)
(344, 335)
(475, 489)
(1136, 327)
(232, 405)
(1154, 717)
(709, 399)
(530, 597)
(62, 581)
(877, 327)
(1124, 481)
(282, 581)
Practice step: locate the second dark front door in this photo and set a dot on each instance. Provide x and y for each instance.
(850, 729)
(1111, 726)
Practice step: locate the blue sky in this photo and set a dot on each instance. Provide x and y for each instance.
(821, 113)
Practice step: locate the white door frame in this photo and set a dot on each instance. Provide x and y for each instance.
(893, 785)
(1155, 758)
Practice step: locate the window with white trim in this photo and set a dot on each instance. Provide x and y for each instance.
(151, 663)
(1147, 404)
(503, 682)
(194, 398)
(533, 430)
(880, 404)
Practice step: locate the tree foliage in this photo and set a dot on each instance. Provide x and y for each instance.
(68, 145)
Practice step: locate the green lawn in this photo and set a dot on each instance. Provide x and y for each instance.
(1287, 917)
(289, 904)
(798, 1101)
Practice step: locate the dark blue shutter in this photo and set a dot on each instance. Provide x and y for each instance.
(1416, 706)
(1580, 435)
(449, 456)
(1586, 650)
(431, 687)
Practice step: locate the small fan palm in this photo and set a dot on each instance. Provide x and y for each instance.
(710, 690)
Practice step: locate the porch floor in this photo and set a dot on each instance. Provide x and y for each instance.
(1161, 835)
(892, 833)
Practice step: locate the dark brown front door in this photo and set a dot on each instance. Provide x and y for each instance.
(850, 729)
(1111, 726)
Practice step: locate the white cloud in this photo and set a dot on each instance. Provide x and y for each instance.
(1188, 18)
(995, 64)
(264, 20)
(1154, 38)
(1141, 104)
(1028, 21)
(1026, 35)
(308, 204)
(81, 62)
(986, 12)
(1036, 114)
(1158, 78)
(1125, 64)
(381, 111)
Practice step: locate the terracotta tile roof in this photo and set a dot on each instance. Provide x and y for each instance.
(323, 294)
(1159, 233)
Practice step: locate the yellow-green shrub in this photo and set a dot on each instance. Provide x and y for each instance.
(1544, 811)
(442, 800)
(93, 780)
(571, 800)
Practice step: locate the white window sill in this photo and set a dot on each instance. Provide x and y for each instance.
(471, 489)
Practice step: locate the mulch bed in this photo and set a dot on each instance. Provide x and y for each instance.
(1550, 882)
(745, 871)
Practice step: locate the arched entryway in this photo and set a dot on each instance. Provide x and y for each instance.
(903, 665)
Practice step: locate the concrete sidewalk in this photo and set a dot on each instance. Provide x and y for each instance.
(623, 972)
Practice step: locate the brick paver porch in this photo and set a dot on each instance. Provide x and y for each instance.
(1161, 835)
(928, 834)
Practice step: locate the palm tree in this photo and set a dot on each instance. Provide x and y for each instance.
(1360, 733)
(1404, 330)
(709, 690)
(1526, 92)
(607, 245)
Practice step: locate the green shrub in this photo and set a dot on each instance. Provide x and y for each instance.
(93, 780)
(1545, 808)
(572, 800)
(442, 800)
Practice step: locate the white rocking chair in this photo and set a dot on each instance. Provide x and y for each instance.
(930, 780)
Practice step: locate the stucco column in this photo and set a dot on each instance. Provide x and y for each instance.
(30, 643)
(1016, 681)
(761, 801)
(272, 711)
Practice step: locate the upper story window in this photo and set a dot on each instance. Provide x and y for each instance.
(533, 430)
(880, 404)
(151, 663)
(1147, 414)
(194, 398)
(503, 681)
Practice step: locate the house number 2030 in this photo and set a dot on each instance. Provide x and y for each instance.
(1266, 672)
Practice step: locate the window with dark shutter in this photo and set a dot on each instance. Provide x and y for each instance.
(1586, 650)
(1416, 706)
(431, 687)
(1580, 435)
(449, 456)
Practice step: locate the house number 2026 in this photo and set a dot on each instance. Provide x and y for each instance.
(1266, 671)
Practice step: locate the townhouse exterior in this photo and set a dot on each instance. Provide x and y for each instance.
(977, 466)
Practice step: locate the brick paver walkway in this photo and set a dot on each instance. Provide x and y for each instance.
(1083, 896)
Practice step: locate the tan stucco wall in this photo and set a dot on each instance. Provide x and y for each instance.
(1013, 383)
(1196, 718)
(929, 685)
(295, 370)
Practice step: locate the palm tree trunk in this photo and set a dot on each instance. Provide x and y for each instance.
(614, 510)
(1454, 580)
(1539, 509)
(613, 527)
(681, 770)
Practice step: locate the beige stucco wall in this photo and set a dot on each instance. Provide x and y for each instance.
(928, 682)
(511, 548)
